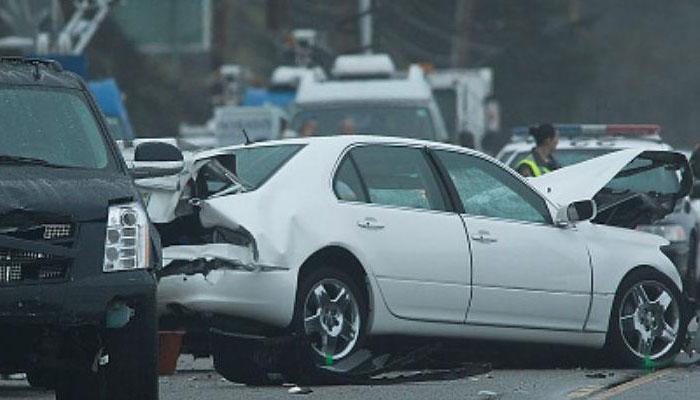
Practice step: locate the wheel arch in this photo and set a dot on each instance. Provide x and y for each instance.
(339, 257)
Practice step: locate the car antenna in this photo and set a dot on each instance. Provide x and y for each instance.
(247, 138)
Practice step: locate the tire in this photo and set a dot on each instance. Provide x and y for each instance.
(693, 273)
(647, 328)
(132, 371)
(234, 360)
(341, 319)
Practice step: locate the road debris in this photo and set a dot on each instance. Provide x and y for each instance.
(299, 390)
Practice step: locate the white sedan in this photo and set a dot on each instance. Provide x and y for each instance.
(343, 238)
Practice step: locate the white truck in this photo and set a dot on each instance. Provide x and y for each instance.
(465, 98)
(366, 95)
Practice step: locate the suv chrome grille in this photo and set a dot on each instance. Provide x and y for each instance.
(19, 266)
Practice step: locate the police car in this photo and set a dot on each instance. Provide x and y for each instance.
(579, 143)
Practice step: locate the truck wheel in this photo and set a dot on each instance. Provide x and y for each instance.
(132, 371)
(648, 321)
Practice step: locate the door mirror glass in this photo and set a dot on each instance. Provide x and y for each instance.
(583, 210)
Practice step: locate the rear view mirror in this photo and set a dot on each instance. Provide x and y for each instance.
(583, 210)
(155, 159)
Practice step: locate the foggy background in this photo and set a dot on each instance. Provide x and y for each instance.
(593, 61)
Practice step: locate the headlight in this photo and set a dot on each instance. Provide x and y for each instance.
(126, 241)
(672, 233)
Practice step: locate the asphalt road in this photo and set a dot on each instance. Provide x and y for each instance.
(556, 378)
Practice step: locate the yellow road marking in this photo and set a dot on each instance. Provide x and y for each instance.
(585, 391)
(643, 380)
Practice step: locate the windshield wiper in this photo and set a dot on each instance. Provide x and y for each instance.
(20, 160)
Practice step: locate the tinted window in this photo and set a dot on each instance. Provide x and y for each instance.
(53, 125)
(398, 176)
(408, 121)
(251, 166)
(347, 184)
(488, 190)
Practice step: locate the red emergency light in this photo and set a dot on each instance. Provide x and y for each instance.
(633, 129)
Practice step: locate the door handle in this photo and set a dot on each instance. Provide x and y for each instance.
(484, 237)
(370, 223)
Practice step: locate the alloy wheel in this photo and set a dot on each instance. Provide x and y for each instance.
(649, 319)
(332, 319)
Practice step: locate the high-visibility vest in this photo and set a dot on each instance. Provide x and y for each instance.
(536, 169)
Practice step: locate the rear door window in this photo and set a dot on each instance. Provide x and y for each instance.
(397, 176)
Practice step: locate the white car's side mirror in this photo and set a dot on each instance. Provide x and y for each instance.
(577, 211)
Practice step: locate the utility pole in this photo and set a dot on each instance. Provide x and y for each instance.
(460, 41)
(365, 25)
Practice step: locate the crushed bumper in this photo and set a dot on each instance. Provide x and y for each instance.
(215, 281)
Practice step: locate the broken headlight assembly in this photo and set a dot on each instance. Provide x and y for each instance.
(673, 233)
(126, 241)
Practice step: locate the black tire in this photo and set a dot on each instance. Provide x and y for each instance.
(616, 348)
(132, 371)
(234, 359)
(306, 284)
(693, 274)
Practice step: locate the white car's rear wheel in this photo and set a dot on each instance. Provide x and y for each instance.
(332, 314)
(647, 324)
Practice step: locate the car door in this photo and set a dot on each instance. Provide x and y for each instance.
(526, 271)
(415, 246)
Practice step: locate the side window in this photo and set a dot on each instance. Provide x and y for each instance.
(347, 184)
(398, 176)
(488, 190)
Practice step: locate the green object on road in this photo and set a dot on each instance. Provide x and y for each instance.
(649, 363)
(329, 360)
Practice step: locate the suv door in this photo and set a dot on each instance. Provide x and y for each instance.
(526, 271)
(417, 249)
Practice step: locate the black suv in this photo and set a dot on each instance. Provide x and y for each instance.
(77, 252)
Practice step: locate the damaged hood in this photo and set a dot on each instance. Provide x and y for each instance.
(584, 180)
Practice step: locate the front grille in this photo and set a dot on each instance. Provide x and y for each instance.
(19, 266)
(57, 231)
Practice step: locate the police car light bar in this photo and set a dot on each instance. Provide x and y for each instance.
(597, 130)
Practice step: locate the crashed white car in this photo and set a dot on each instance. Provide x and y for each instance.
(341, 238)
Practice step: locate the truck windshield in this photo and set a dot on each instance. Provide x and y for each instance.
(401, 121)
(52, 127)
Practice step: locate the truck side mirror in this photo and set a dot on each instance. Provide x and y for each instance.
(156, 159)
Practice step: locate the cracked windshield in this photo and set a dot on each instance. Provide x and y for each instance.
(395, 199)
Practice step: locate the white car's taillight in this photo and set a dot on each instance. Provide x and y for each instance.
(672, 233)
(126, 241)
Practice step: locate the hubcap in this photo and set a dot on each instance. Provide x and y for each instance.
(649, 319)
(331, 319)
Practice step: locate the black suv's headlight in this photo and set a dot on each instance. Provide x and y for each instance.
(126, 241)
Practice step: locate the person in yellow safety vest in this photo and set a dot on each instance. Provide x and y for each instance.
(541, 159)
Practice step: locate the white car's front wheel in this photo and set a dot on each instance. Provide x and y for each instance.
(648, 323)
(331, 313)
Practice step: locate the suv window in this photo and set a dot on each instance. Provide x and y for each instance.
(54, 125)
(488, 190)
(398, 176)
